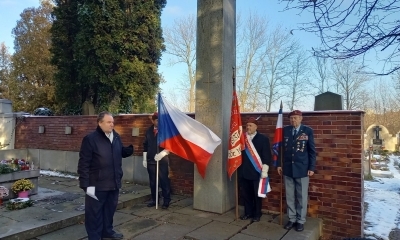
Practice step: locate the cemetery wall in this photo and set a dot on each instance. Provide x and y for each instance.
(336, 189)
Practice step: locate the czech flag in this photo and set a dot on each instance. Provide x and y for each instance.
(184, 136)
(278, 138)
(236, 142)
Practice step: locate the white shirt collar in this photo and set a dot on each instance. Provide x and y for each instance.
(251, 136)
(110, 136)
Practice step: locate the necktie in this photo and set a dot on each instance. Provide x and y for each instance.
(294, 132)
(155, 131)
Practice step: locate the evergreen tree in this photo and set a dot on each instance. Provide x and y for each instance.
(69, 91)
(115, 48)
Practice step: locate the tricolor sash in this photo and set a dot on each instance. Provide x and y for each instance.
(251, 152)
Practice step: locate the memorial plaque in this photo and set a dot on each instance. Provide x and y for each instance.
(377, 141)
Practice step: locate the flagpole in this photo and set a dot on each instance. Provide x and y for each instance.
(158, 149)
(236, 172)
(280, 159)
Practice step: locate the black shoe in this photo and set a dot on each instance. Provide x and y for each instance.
(256, 219)
(289, 225)
(115, 236)
(165, 206)
(245, 217)
(151, 204)
(299, 227)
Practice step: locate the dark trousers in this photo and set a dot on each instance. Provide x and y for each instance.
(99, 214)
(164, 181)
(252, 203)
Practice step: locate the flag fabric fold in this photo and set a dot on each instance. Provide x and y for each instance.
(236, 142)
(278, 138)
(184, 136)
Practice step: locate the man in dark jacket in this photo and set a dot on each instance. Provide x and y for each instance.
(299, 159)
(249, 176)
(151, 154)
(100, 174)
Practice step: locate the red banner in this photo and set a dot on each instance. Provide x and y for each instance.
(236, 138)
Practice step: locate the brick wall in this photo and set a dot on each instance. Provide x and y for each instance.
(336, 190)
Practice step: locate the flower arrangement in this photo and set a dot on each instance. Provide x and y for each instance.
(3, 193)
(22, 185)
(13, 165)
(18, 203)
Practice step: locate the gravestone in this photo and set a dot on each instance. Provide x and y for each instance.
(328, 101)
(88, 108)
(377, 140)
(216, 55)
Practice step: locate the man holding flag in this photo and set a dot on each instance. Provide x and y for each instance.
(254, 170)
(151, 154)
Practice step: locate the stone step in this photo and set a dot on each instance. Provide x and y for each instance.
(43, 218)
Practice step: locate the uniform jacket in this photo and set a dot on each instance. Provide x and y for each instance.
(262, 145)
(299, 155)
(100, 161)
(150, 146)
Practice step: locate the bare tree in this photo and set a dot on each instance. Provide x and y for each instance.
(279, 50)
(321, 74)
(350, 82)
(353, 28)
(180, 41)
(251, 45)
(297, 79)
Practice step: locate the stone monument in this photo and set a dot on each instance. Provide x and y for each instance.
(328, 101)
(216, 55)
(88, 108)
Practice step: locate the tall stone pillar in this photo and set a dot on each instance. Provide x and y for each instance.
(216, 55)
(7, 125)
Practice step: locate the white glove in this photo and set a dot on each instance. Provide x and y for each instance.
(145, 159)
(264, 171)
(160, 155)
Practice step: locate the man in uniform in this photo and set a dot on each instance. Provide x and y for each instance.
(152, 153)
(249, 175)
(100, 173)
(299, 159)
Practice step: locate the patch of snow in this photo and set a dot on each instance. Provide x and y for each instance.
(56, 174)
(383, 198)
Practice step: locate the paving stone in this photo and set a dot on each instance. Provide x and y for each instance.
(241, 236)
(165, 231)
(186, 220)
(120, 218)
(136, 227)
(214, 230)
(152, 212)
(196, 213)
(312, 231)
(69, 233)
(227, 217)
(185, 202)
(265, 230)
